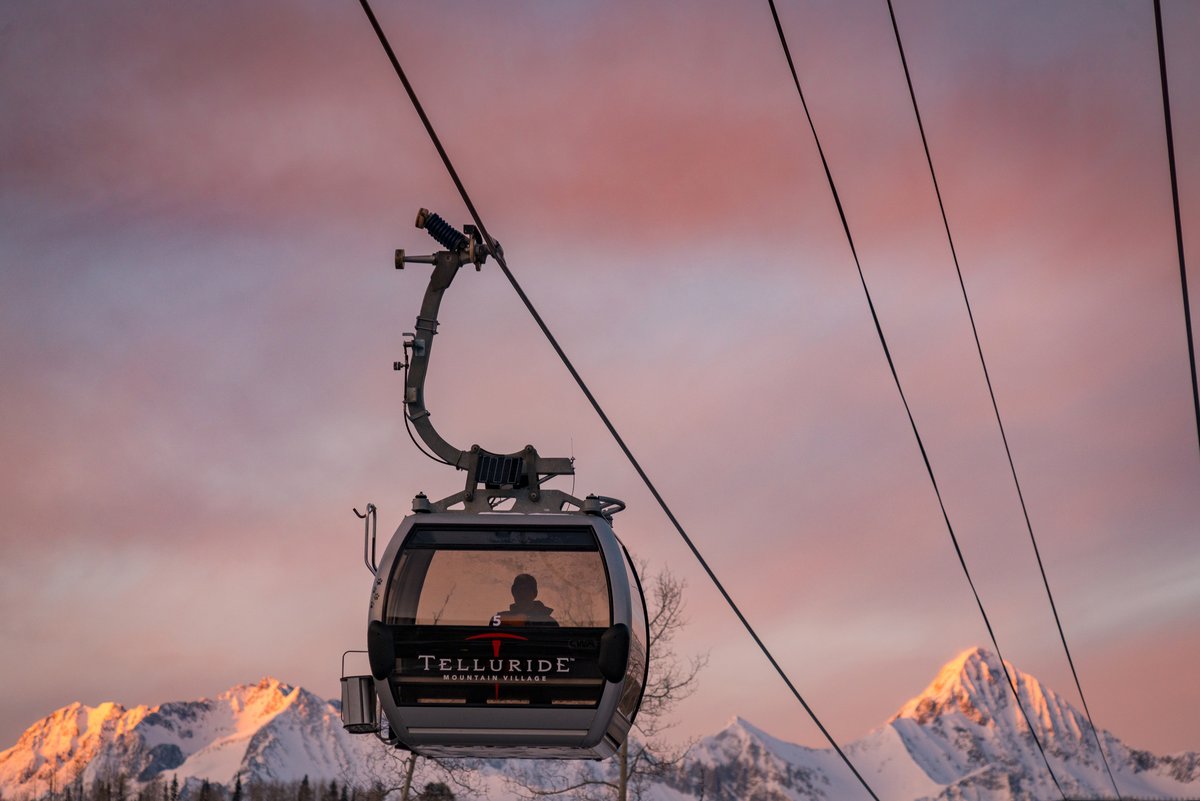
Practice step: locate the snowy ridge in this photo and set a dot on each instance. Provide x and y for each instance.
(963, 737)
(966, 733)
(269, 731)
(960, 738)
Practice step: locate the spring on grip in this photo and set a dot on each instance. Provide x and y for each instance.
(446, 234)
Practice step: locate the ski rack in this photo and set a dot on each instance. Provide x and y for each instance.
(492, 478)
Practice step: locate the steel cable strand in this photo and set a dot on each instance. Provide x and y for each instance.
(992, 394)
(1187, 306)
(907, 409)
(592, 400)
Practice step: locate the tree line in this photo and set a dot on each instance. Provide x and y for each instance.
(118, 786)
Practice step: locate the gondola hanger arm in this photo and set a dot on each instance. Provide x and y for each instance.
(518, 474)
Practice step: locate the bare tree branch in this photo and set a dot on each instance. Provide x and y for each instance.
(395, 773)
(671, 679)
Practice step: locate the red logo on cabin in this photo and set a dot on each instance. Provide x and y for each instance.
(497, 639)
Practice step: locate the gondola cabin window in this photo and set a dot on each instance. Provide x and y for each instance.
(471, 578)
(499, 617)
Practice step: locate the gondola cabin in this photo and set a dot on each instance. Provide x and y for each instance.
(515, 633)
(508, 635)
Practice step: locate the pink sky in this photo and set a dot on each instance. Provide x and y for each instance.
(198, 317)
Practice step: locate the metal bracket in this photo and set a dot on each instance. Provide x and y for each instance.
(493, 500)
(511, 474)
(370, 529)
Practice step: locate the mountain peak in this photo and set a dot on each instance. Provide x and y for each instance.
(970, 662)
(739, 722)
(972, 690)
(267, 684)
(260, 701)
(972, 683)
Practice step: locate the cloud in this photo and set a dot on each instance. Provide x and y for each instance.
(199, 315)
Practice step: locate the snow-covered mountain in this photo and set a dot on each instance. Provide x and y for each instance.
(268, 731)
(961, 738)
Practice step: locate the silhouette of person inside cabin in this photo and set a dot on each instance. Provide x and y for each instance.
(525, 609)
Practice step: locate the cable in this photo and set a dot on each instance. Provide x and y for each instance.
(1187, 306)
(412, 96)
(991, 392)
(896, 377)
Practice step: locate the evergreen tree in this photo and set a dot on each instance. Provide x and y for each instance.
(257, 790)
(174, 787)
(237, 787)
(151, 790)
(206, 793)
(305, 793)
(436, 791)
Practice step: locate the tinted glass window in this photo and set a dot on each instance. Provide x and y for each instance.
(462, 578)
